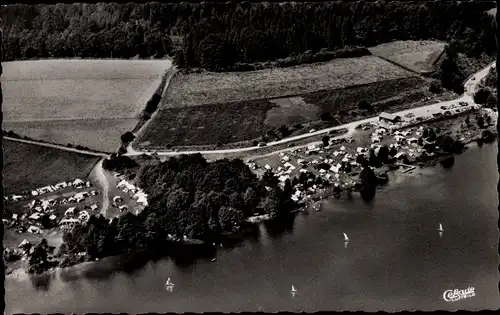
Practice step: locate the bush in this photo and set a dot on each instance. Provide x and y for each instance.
(481, 96)
(365, 105)
(127, 137)
(435, 87)
(325, 116)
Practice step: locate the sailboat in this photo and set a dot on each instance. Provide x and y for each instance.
(440, 228)
(293, 289)
(169, 283)
(346, 239)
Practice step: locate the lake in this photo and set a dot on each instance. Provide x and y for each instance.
(395, 259)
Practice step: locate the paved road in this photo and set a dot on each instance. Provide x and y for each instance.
(470, 86)
(57, 146)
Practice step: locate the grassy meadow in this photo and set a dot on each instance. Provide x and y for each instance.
(77, 101)
(29, 166)
(213, 88)
(414, 55)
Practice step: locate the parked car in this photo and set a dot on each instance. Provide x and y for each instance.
(447, 113)
(262, 144)
(444, 107)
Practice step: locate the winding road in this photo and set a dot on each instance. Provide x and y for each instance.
(470, 87)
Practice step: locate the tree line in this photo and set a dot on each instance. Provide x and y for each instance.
(187, 196)
(230, 35)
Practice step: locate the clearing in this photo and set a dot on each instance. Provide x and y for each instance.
(244, 121)
(419, 56)
(206, 124)
(212, 88)
(107, 94)
(29, 166)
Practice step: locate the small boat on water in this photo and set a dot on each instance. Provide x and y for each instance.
(169, 283)
(293, 289)
(213, 259)
(440, 228)
(346, 238)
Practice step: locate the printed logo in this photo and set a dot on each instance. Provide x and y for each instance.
(456, 295)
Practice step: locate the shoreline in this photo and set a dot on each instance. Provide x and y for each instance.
(311, 203)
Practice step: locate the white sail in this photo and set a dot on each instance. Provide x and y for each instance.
(346, 239)
(440, 229)
(169, 283)
(293, 289)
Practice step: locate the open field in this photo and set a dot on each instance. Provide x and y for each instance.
(415, 55)
(98, 134)
(55, 90)
(206, 124)
(212, 88)
(29, 166)
(348, 98)
(248, 120)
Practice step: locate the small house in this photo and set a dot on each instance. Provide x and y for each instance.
(123, 208)
(70, 211)
(61, 185)
(412, 140)
(34, 230)
(391, 118)
(24, 244)
(34, 216)
(283, 178)
(68, 222)
(16, 198)
(94, 207)
(52, 217)
(360, 150)
(34, 193)
(78, 183)
(400, 155)
(143, 200)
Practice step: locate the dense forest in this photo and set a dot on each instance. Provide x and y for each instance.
(228, 35)
(187, 196)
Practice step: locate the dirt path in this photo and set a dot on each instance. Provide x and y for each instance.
(56, 146)
(104, 183)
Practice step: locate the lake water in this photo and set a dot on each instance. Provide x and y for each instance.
(395, 260)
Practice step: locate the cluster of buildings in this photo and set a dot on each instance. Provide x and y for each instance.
(396, 121)
(336, 166)
(39, 209)
(133, 191)
(77, 183)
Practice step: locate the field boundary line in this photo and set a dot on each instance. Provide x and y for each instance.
(57, 146)
(170, 75)
(404, 67)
